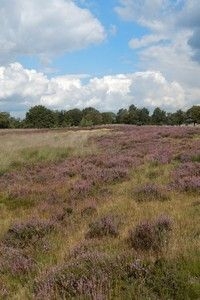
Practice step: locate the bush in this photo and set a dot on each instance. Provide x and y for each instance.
(150, 235)
(15, 261)
(106, 226)
(150, 192)
(22, 234)
(88, 275)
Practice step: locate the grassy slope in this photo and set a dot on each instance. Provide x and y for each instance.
(173, 274)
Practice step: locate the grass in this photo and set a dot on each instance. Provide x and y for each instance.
(66, 257)
(37, 146)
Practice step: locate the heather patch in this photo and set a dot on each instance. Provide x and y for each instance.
(15, 261)
(105, 226)
(81, 188)
(186, 177)
(150, 192)
(150, 235)
(27, 233)
(77, 278)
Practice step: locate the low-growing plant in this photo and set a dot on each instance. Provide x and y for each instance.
(150, 192)
(137, 269)
(81, 188)
(105, 226)
(87, 276)
(23, 234)
(150, 235)
(15, 261)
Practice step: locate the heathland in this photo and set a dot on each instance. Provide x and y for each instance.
(107, 213)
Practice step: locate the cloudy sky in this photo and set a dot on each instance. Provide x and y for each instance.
(106, 54)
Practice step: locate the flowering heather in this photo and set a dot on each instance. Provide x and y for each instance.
(137, 269)
(149, 192)
(76, 278)
(150, 235)
(60, 258)
(22, 234)
(15, 261)
(187, 184)
(106, 226)
(127, 148)
(81, 188)
(187, 169)
(186, 177)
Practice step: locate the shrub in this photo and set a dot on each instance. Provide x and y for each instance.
(137, 269)
(150, 235)
(106, 226)
(81, 188)
(186, 184)
(150, 192)
(15, 261)
(88, 275)
(22, 234)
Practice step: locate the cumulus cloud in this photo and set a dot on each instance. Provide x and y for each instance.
(190, 18)
(22, 88)
(172, 45)
(45, 28)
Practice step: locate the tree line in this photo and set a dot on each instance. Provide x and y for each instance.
(41, 117)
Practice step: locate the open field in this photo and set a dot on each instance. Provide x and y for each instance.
(103, 214)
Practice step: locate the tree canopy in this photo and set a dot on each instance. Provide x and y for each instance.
(41, 117)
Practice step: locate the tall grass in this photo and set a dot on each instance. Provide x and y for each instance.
(30, 147)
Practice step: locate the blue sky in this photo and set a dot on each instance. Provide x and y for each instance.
(107, 54)
(110, 57)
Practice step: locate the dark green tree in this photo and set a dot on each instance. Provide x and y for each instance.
(4, 120)
(132, 115)
(108, 118)
(193, 114)
(159, 117)
(40, 117)
(122, 116)
(143, 116)
(16, 122)
(177, 118)
(73, 117)
(92, 116)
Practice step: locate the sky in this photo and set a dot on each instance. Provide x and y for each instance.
(66, 54)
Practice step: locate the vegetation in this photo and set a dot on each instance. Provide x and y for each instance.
(108, 213)
(42, 117)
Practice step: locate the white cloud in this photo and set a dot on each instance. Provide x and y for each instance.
(148, 13)
(45, 28)
(172, 45)
(146, 40)
(21, 88)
